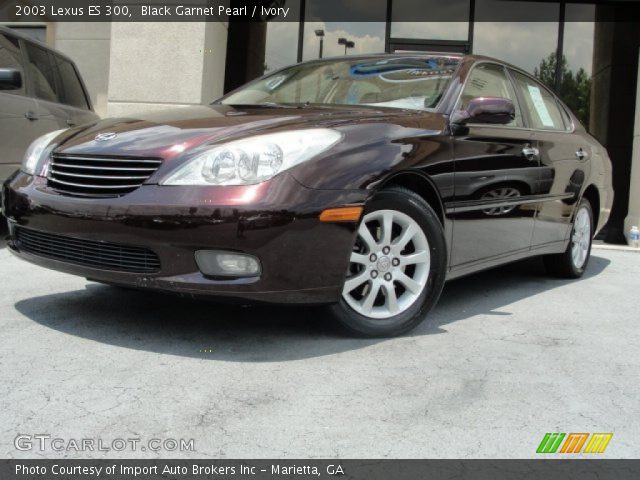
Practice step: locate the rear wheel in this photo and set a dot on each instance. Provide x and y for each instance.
(397, 266)
(573, 262)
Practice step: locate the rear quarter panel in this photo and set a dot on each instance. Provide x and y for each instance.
(601, 177)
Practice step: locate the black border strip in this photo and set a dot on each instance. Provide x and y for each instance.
(548, 469)
(324, 10)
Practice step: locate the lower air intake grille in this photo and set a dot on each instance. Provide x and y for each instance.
(96, 176)
(106, 256)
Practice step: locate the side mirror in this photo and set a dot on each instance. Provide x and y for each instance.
(10, 79)
(491, 110)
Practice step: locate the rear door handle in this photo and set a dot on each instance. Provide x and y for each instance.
(71, 123)
(531, 153)
(30, 116)
(581, 154)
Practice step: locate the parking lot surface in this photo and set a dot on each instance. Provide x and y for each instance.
(506, 356)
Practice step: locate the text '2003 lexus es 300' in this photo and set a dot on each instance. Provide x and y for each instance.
(362, 184)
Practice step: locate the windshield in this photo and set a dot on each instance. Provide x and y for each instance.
(398, 82)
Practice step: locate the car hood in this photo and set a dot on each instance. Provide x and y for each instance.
(169, 133)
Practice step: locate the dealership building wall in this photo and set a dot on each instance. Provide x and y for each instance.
(136, 67)
(131, 67)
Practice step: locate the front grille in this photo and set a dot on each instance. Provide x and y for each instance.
(99, 176)
(103, 255)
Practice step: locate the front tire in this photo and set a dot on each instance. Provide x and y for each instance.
(572, 263)
(397, 266)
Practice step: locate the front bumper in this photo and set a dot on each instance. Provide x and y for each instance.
(303, 260)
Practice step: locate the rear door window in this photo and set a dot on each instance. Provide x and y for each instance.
(42, 73)
(70, 89)
(10, 57)
(541, 105)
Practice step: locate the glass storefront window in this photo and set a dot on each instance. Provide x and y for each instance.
(578, 36)
(361, 37)
(455, 12)
(576, 69)
(521, 43)
(367, 37)
(431, 30)
(281, 45)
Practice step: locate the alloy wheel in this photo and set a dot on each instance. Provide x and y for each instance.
(389, 265)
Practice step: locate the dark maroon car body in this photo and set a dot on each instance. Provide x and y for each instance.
(303, 259)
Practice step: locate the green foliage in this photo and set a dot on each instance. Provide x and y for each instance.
(575, 88)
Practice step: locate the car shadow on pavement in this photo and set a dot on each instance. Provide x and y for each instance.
(160, 323)
(485, 293)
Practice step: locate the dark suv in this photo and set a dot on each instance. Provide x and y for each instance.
(40, 91)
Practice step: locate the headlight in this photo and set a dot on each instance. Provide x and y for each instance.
(253, 160)
(36, 152)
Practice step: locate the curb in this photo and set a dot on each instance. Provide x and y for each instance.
(621, 248)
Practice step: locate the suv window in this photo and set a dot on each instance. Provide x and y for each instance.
(42, 73)
(490, 80)
(70, 91)
(10, 56)
(565, 117)
(541, 105)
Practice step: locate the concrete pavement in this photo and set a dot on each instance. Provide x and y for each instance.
(505, 357)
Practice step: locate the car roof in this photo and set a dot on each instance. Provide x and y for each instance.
(464, 58)
(364, 56)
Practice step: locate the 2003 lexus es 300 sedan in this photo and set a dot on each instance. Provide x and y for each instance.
(361, 183)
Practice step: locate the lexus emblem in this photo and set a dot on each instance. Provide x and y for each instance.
(103, 137)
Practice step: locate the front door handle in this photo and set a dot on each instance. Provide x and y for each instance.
(71, 123)
(30, 116)
(531, 153)
(581, 154)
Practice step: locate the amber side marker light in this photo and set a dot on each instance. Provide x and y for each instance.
(344, 214)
